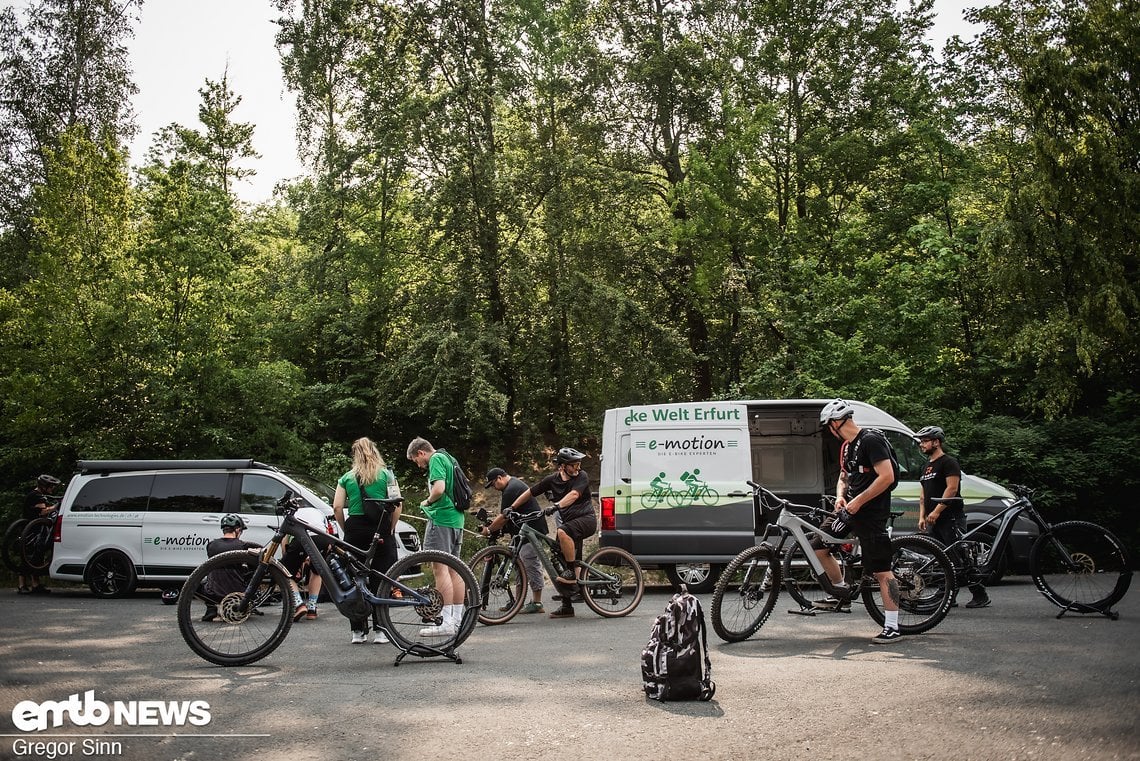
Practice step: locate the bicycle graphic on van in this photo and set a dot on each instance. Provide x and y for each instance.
(662, 491)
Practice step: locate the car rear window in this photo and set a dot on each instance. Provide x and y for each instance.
(188, 493)
(113, 494)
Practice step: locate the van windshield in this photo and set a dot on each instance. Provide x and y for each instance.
(311, 483)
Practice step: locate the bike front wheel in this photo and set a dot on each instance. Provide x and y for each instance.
(211, 620)
(501, 583)
(613, 582)
(925, 577)
(11, 548)
(1080, 566)
(420, 629)
(746, 593)
(36, 544)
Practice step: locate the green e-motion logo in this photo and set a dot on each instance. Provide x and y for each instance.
(694, 443)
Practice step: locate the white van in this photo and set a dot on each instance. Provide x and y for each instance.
(673, 477)
(122, 523)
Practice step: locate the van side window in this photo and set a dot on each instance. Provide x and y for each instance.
(125, 494)
(259, 494)
(188, 493)
(911, 458)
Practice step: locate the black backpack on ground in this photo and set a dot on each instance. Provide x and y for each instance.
(675, 664)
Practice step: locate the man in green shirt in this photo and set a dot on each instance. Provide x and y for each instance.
(444, 531)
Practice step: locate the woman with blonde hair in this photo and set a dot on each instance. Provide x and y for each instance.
(369, 478)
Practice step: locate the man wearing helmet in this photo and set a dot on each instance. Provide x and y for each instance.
(569, 489)
(863, 505)
(940, 508)
(224, 581)
(37, 503)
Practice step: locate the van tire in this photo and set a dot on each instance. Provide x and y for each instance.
(698, 578)
(111, 574)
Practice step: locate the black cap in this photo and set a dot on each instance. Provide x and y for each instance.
(494, 473)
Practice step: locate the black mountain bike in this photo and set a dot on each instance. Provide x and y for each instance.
(246, 625)
(1080, 567)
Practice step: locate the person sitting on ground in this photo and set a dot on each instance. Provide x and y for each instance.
(224, 581)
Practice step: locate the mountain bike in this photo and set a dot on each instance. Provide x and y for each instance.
(229, 629)
(611, 580)
(1078, 566)
(747, 590)
(37, 542)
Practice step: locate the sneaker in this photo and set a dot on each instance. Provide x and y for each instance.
(23, 590)
(576, 597)
(443, 630)
(211, 615)
(300, 611)
(563, 613)
(532, 607)
(359, 638)
(311, 613)
(980, 601)
(380, 639)
(831, 603)
(887, 636)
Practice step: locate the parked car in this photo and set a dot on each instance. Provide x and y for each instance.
(126, 523)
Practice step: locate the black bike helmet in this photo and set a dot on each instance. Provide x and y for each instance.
(568, 454)
(232, 521)
(835, 410)
(930, 432)
(48, 481)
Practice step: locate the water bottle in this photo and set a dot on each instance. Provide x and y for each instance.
(339, 573)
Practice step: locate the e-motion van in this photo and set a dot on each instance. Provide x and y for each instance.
(673, 478)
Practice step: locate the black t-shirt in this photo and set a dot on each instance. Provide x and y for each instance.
(226, 580)
(858, 460)
(515, 487)
(933, 483)
(32, 502)
(555, 489)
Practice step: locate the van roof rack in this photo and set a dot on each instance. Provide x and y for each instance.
(122, 466)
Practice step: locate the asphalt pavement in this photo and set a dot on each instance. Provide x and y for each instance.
(1010, 681)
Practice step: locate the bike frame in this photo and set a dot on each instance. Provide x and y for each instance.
(358, 568)
(790, 525)
(1005, 519)
(545, 546)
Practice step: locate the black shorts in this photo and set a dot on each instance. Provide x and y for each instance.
(581, 528)
(870, 526)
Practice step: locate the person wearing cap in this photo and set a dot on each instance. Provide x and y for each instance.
(511, 488)
(940, 509)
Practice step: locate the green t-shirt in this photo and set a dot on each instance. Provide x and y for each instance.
(378, 489)
(442, 512)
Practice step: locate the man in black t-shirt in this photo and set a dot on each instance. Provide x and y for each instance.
(511, 489)
(940, 508)
(863, 502)
(569, 489)
(38, 503)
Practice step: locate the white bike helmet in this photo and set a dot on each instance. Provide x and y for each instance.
(835, 410)
(313, 519)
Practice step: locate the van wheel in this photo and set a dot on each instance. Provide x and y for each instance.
(111, 574)
(698, 578)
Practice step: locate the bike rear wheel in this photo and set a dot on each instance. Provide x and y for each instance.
(417, 628)
(233, 637)
(746, 593)
(10, 550)
(614, 582)
(501, 583)
(36, 544)
(926, 584)
(1098, 575)
(800, 580)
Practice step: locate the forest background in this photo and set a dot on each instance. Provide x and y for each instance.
(519, 214)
